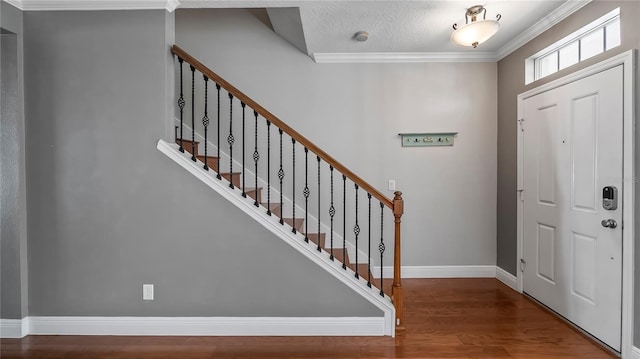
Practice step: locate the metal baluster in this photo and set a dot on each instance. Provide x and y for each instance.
(281, 177)
(293, 150)
(218, 143)
(193, 114)
(230, 141)
(332, 212)
(356, 231)
(256, 157)
(306, 194)
(319, 247)
(381, 246)
(244, 169)
(181, 104)
(205, 120)
(268, 167)
(344, 222)
(369, 246)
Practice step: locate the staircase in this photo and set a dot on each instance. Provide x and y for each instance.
(336, 219)
(319, 239)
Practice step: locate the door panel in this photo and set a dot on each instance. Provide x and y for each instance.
(572, 147)
(583, 153)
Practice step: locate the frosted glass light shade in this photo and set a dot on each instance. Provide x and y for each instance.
(475, 32)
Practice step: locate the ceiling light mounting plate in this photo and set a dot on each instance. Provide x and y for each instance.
(361, 36)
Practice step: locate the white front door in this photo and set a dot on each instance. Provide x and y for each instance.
(573, 149)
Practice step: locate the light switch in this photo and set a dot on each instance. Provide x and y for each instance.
(392, 185)
(147, 292)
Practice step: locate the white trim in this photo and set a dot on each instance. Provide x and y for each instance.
(233, 195)
(507, 278)
(11, 328)
(44, 5)
(408, 272)
(559, 14)
(404, 57)
(15, 3)
(628, 60)
(635, 353)
(204, 326)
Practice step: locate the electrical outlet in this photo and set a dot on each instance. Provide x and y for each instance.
(392, 185)
(147, 292)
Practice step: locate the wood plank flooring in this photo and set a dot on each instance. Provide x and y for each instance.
(445, 318)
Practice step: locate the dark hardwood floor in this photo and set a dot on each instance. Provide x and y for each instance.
(445, 318)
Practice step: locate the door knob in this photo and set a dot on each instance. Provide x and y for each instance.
(609, 223)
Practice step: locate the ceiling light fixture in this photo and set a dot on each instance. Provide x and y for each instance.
(477, 31)
(361, 36)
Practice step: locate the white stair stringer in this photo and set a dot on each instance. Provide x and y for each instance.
(271, 223)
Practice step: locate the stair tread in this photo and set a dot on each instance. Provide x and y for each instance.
(185, 140)
(208, 157)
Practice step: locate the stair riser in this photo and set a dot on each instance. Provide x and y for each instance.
(254, 193)
(188, 147)
(233, 178)
(212, 162)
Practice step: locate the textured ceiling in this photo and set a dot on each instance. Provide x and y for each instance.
(397, 26)
(410, 26)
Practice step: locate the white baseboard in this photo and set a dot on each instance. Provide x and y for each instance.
(635, 353)
(11, 328)
(208, 326)
(507, 278)
(478, 271)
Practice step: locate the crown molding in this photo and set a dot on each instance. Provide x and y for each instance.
(56, 5)
(559, 14)
(15, 3)
(403, 57)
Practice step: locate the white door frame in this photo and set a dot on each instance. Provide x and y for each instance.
(628, 60)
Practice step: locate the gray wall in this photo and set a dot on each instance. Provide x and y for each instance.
(355, 112)
(511, 83)
(108, 212)
(13, 261)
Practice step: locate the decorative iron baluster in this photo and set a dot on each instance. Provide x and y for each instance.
(306, 193)
(230, 141)
(369, 246)
(319, 247)
(381, 246)
(205, 120)
(244, 169)
(268, 167)
(193, 114)
(332, 211)
(218, 143)
(181, 104)
(293, 150)
(356, 231)
(256, 157)
(281, 177)
(344, 222)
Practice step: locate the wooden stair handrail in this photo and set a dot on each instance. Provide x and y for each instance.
(281, 125)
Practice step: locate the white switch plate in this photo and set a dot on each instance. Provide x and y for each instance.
(147, 291)
(392, 185)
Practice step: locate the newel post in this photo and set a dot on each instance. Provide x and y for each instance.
(396, 292)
